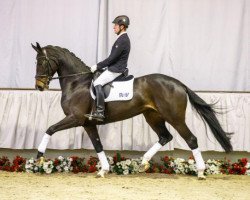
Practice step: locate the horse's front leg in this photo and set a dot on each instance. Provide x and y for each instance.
(68, 122)
(95, 139)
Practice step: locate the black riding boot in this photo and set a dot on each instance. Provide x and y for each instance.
(99, 113)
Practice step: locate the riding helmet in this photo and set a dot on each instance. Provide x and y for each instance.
(121, 20)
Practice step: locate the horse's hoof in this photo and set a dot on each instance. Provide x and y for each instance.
(40, 161)
(144, 167)
(201, 175)
(101, 173)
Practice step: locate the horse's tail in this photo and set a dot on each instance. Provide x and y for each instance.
(207, 112)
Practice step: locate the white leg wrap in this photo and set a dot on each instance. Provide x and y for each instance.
(200, 165)
(104, 161)
(43, 145)
(151, 152)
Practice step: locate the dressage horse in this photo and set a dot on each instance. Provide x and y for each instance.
(158, 97)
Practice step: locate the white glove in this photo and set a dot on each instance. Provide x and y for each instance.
(93, 68)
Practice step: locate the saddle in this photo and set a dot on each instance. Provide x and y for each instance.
(122, 79)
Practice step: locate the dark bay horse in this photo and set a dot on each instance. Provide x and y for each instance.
(158, 97)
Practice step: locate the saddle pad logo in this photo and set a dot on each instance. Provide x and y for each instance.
(124, 94)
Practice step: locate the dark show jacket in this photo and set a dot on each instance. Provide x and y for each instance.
(118, 58)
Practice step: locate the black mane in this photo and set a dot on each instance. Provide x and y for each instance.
(60, 51)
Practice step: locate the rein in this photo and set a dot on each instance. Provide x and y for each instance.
(49, 68)
(77, 74)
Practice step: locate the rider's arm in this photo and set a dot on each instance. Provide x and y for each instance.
(114, 56)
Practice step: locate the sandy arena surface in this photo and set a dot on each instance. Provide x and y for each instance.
(19, 186)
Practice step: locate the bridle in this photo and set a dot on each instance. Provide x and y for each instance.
(49, 71)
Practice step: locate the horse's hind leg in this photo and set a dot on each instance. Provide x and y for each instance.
(174, 113)
(191, 140)
(157, 123)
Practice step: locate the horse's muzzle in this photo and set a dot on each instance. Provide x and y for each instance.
(41, 85)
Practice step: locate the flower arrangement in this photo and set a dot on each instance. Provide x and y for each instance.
(5, 164)
(123, 166)
(214, 167)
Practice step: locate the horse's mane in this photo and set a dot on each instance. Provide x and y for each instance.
(61, 50)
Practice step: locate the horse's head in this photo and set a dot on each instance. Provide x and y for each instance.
(46, 67)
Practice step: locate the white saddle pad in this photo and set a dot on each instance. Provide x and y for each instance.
(120, 91)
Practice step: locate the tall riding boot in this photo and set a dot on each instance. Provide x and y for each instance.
(100, 107)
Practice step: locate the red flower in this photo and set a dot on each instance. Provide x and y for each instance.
(56, 162)
(92, 169)
(243, 161)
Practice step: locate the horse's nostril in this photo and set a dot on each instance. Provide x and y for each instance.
(40, 88)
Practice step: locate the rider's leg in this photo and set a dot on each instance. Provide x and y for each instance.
(104, 78)
(99, 102)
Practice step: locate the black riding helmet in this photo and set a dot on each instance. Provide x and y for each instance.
(121, 20)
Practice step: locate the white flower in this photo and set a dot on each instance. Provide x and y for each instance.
(172, 164)
(48, 171)
(60, 158)
(192, 167)
(126, 172)
(45, 166)
(50, 162)
(66, 169)
(125, 167)
(69, 159)
(31, 161)
(209, 161)
(213, 167)
(248, 165)
(136, 168)
(98, 165)
(128, 162)
(64, 163)
(111, 162)
(190, 161)
(27, 166)
(133, 162)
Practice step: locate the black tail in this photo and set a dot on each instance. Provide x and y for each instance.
(208, 114)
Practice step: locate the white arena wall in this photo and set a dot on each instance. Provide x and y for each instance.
(25, 115)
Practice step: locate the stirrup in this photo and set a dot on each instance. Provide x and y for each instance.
(96, 116)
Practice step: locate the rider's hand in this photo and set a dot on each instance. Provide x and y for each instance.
(93, 68)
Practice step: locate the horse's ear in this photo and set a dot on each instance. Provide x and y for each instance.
(38, 46)
(34, 47)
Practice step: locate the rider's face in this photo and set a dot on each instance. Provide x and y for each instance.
(116, 28)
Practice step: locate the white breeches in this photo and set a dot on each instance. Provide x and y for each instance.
(106, 77)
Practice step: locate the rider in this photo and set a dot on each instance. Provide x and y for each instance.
(116, 63)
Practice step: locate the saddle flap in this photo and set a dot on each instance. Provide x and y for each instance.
(121, 90)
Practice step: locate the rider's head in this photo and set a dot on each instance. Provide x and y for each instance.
(121, 23)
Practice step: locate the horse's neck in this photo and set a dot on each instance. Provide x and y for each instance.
(69, 83)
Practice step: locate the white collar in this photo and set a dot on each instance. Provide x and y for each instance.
(121, 34)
